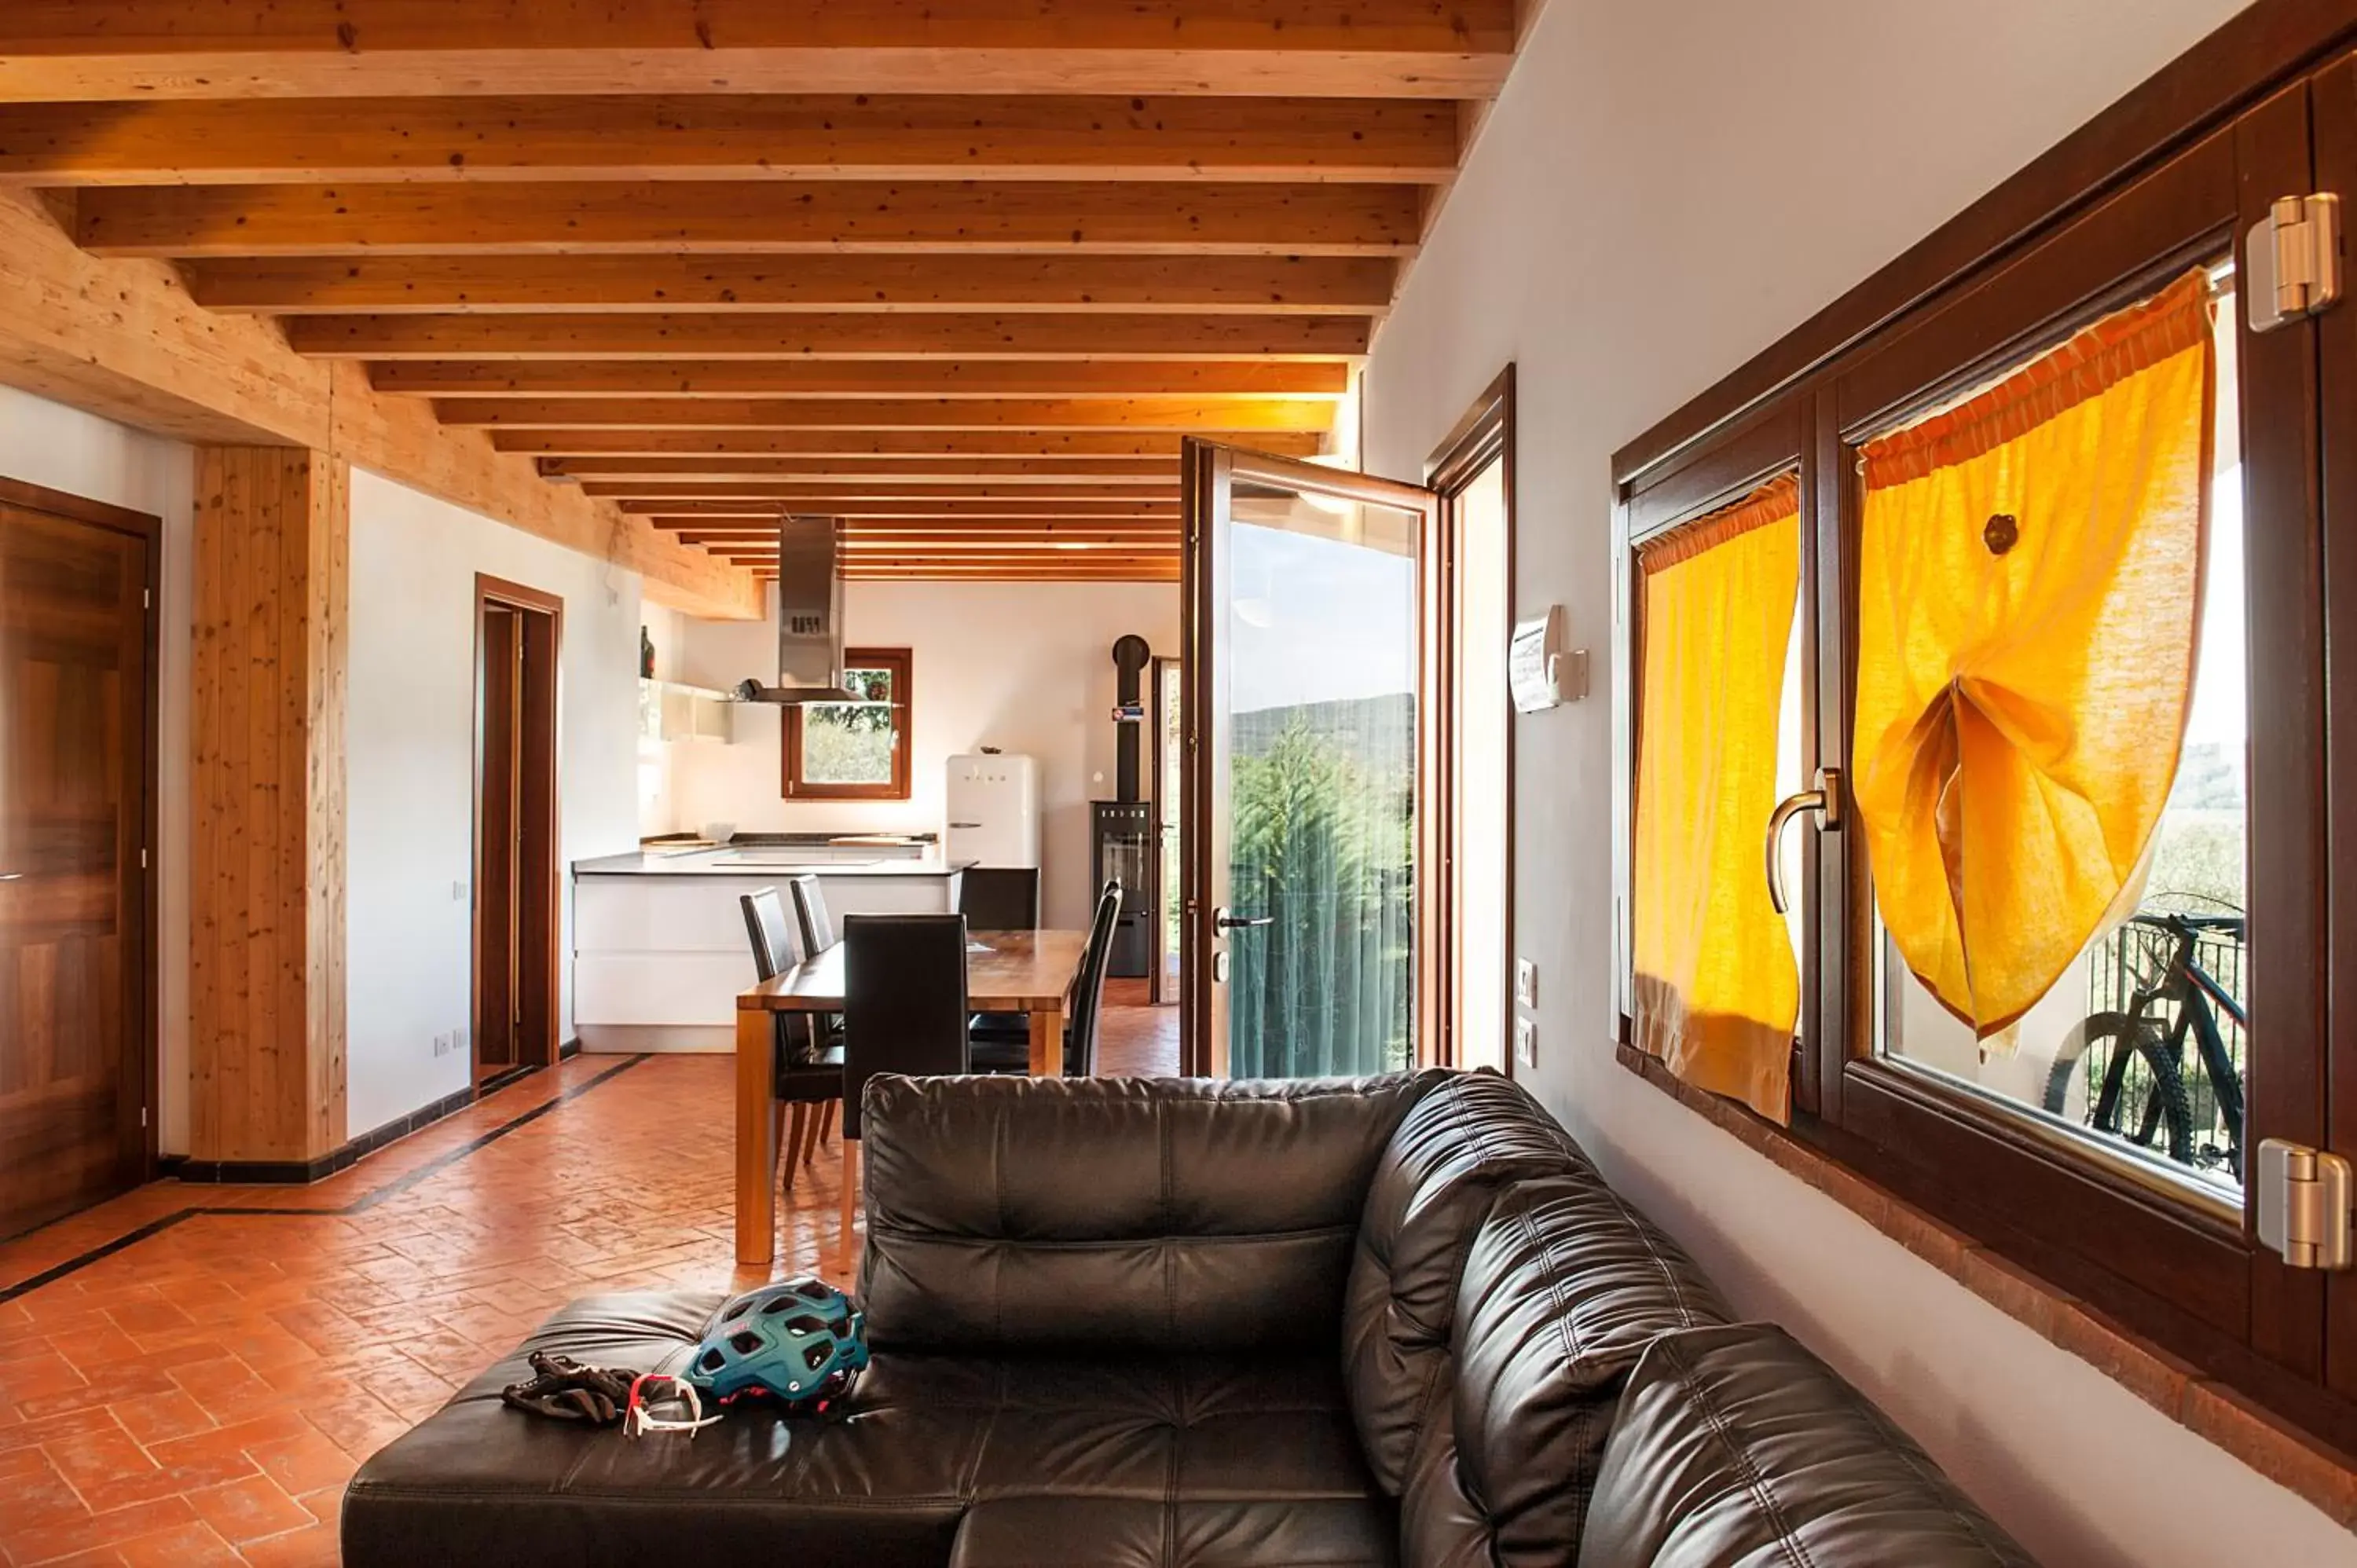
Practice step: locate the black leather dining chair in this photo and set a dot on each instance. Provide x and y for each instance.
(999, 898)
(817, 928)
(904, 1011)
(1088, 994)
(809, 1067)
(810, 913)
(1006, 1047)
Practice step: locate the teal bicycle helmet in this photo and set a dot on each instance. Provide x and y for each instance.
(799, 1341)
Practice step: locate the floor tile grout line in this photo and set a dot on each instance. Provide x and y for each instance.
(359, 1205)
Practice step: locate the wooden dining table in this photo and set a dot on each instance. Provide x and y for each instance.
(1005, 971)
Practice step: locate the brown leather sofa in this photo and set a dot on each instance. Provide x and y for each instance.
(1398, 1320)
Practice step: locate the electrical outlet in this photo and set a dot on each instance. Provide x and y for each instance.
(1526, 1043)
(1526, 981)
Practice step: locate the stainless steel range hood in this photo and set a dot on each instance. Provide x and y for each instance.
(810, 616)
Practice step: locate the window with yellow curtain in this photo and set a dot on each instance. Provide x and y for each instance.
(1716, 989)
(2033, 640)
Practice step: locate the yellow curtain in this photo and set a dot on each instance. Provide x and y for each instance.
(1717, 992)
(2030, 575)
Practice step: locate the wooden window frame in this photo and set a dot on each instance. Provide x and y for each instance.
(2181, 167)
(901, 662)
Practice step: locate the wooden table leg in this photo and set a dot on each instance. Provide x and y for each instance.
(757, 1137)
(850, 1200)
(1048, 1041)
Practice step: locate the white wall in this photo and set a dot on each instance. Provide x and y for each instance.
(1646, 208)
(49, 444)
(658, 795)
(411, 761)
(1025, 667)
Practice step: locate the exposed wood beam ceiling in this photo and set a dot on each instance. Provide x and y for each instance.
(962, 275)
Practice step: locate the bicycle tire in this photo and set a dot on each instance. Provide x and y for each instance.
(2168, 1095)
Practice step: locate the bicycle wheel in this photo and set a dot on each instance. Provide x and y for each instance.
(2114, 1074)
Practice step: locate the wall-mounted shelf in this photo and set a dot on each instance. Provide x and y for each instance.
(670, 711)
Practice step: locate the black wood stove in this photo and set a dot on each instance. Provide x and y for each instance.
(1121, 831)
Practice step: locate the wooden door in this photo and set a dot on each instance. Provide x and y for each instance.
(517, 908)
(75, 749)
(495, 960)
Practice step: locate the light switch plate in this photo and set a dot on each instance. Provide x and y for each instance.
(1526, 1043)
(1526, 981)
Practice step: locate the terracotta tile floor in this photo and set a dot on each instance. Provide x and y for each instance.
(200, 1394)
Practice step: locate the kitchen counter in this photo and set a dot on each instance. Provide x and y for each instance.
(764, 860)
(659, 945)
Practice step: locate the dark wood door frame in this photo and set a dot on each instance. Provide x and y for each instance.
(537, 892)
(1484, 437)
(140, 1125)
(1158, 982)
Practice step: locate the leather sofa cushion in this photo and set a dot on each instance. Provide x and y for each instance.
(1117, 1214)
(1562, 1289)
(1440, 1526)
(1734, 1444)
(1222, 1450)
(1474, 1134)
(1181, 1533)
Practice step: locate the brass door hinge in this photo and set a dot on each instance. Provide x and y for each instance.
(2291, 260)
(2304, 1197)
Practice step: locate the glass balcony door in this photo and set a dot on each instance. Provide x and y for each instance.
(1309, 664)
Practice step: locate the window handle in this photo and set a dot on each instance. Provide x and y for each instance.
(1825, 801)
(1222, 920)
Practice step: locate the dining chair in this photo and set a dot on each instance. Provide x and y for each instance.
(1088, 991)
(904, 1009)
(999, 898)
(810, 913)
(1006, 1047)
(809, 1068)
(818, 935)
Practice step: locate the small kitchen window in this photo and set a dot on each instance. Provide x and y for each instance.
(853, 751)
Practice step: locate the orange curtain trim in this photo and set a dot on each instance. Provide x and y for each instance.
(2119, 345)
(1774, 501)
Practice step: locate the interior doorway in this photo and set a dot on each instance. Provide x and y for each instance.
(519, 637)
(77, 712)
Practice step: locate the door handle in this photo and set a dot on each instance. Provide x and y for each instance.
(12, 877)
(1825, 801)
(1222, 920)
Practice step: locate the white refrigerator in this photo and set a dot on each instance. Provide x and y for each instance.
(993, 810)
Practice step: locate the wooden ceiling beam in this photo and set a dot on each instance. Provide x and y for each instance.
(939, 572)
(945, 446)
(673, 513)
(813, 497)
(974, 549)
(966, 218)
(122, 340)
(1169, 414)
(699, 475)
(872, 532)
(293, 285)
(149, 50)
(345, 141)
(571, 338)
(857, 378)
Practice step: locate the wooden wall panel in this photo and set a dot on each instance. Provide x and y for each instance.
(266, 961)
